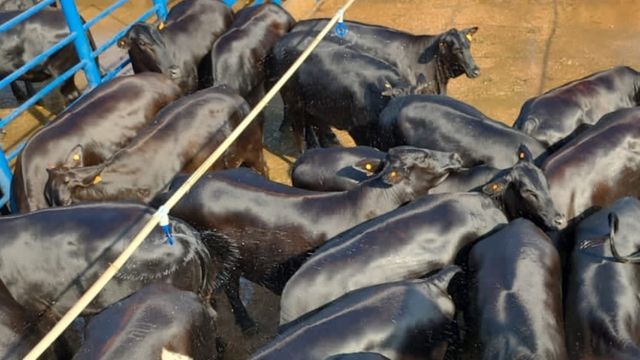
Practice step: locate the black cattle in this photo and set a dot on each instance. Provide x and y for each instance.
(50, 257)
(238, 56)
(428, 121)
(439, 57)
(187, 132)
(338, 87)
(401, 320)
(597, 167)
(416, 239)
(331, 169)
(515, 296)
(102, 122)
(20, 331)
(559, 112)
(275, 226)
(602, 309)
(30, 38)
(156, 322)
(179, 47)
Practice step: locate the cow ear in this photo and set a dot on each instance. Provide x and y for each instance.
(75, 158)
(392, 177)
(470, 31)
(495, 188)
(368, 166)
(524, 154)
(92, 178)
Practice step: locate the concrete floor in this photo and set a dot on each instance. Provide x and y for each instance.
(523, 47)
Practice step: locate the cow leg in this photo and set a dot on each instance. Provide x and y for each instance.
(18, 93)
(232, 290)
(326, 137)
(28, 85)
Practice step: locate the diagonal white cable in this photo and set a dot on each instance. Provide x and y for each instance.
(111, 271)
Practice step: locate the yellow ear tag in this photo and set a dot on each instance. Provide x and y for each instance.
(494, 187)
(393, 174)
(387, 85)
(97, 179)
(521, 156)
(368, 166)
(161, 25)
(121, 43)
(76, 157)
(469, 37)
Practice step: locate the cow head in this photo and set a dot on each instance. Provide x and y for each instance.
(413, 171)
(149, 52)
(523, 192)
(64, 181)
(422, 86)
(454, 48)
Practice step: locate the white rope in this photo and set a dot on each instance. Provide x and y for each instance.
(111, 271)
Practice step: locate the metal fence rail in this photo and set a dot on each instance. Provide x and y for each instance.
(87, 63)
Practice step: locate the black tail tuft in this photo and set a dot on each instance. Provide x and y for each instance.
(224, 251)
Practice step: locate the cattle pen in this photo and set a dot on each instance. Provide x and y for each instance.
(518, 60)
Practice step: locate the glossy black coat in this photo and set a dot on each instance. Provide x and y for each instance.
(153, 323)
(180, 47)
(402, 320)
(417, 120)
(558, 112)
(186, 132)
(358, 356)
(50, 257)
(403, 244)
(597, 167)
(101, 123)
(238, 56)
(602, 309)
(28, 39)
(275, 226)
(415, 239)
(515, 296)
(332, 169)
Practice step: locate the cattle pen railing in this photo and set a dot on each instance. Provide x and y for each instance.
(164, 210)
(87, 63)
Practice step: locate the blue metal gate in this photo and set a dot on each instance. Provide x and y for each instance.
(87, 63)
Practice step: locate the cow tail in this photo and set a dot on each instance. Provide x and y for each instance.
(224, 253)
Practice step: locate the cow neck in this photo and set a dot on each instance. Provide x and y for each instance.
(375, 194)
(443, 74)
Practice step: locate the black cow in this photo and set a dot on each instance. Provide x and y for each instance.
(515, 306)
(401, 320)
(30, 38)
(179, 47)
(187, 132)
(50, 257)
(331, 169)
(602, 309)
(102, 122)
(358, 356)
(416, 239)
(439, 57)
(238, 56)
(20, 331)
(156, 322)
(417, 120)
(338, 87)
(557, 113)
(275, 226)
(597, 167)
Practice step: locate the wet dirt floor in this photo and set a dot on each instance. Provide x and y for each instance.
(523, 48)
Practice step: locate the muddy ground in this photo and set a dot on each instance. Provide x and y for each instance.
(523, 48)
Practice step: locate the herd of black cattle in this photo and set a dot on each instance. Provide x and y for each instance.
(444, 234)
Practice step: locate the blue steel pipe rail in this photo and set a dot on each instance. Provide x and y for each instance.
(86, 55)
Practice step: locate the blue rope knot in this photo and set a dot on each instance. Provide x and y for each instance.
(341, 28)
(165, 225)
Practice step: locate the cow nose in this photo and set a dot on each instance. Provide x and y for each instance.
(475, 72)
(560, 221)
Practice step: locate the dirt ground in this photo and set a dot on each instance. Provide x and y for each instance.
(523, 48)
